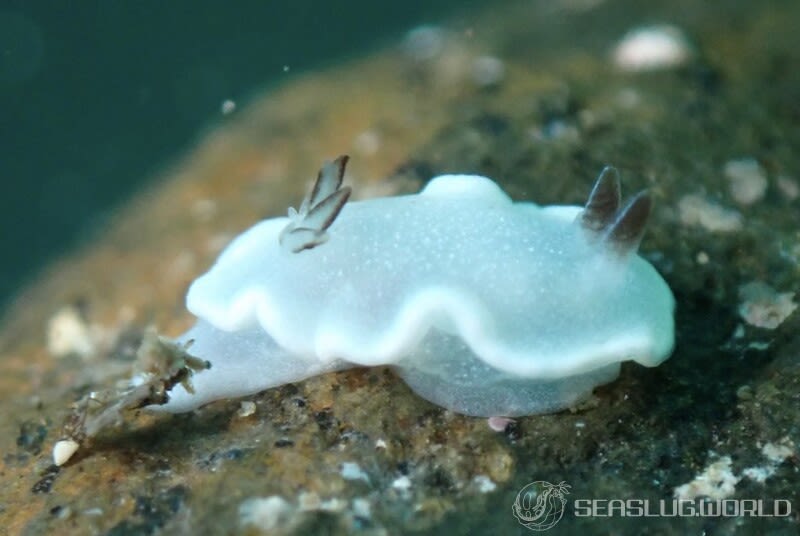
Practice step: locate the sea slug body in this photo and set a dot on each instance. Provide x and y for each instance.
(482, 305)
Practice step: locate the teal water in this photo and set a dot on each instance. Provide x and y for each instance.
(96, 96)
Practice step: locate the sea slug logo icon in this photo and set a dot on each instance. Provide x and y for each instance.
(540, 505)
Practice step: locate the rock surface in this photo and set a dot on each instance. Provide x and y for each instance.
(542, 123)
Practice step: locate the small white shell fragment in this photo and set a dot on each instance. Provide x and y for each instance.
(650, 48)
(265, 513)
(697, 211)
(484, 484)
(628, 98)
(763, 307)
(499, 424)
(487, 71)
(367, 143)
(352, 471)
(69, 334)
(788, 187)
(309, 501)
(246, 408)
(63, 451)
(334, 504)
(779, 452)
(204, 210)
(362, 508)
(424, 43)
(483, 305)
(759, 474)
(64, 512)
(747, 180)
(716, 482)
(402, 483)
(228, 106)
(776, 454)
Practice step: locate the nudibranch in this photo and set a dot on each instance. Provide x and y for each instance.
(482, 305)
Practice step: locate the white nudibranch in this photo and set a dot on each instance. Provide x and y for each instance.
(482, 305)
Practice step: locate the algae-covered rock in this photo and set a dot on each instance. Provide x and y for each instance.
(530, 95)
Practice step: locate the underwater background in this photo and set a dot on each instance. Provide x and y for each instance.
(139, 138)
(97, 96)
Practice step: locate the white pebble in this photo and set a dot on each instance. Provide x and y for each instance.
(764, 307)
(246, 408)
(362, 508)
(747, 180)
(402, 483)
(63, 451)
(716, 482)
(651, 48)
(265, 512)
(499, 424)
(424, 43)
(484, 484)
(788, 187)
(352, 471)
(227, 107)
(778, 452)
(69, 334)
(367, 143)
(696, 210)
(204, 210)
(308, 501)
(487, 71)
(628, 98)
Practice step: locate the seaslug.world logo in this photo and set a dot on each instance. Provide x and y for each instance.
(540, 505)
